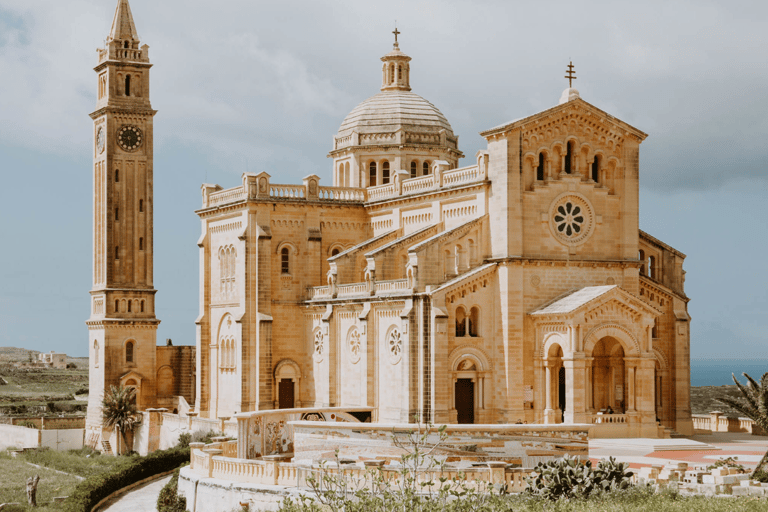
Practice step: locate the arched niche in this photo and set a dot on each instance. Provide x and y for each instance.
(287, 384)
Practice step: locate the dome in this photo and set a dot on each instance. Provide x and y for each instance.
(389, 111)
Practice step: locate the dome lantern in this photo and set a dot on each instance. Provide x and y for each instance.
(396, 69)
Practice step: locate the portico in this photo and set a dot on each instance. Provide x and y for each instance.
(596, 362)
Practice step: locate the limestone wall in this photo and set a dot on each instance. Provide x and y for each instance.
(525, 445)
(12, 436)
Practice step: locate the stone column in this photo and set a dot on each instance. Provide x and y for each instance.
(549, 414)
(575, 390)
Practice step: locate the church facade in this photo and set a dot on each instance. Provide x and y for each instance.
(518, 288)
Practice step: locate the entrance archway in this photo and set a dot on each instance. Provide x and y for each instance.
(465, 401)
(608, 376)
(468, 366)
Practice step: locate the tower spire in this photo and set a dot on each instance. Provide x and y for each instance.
(395, 72)
(123, 27)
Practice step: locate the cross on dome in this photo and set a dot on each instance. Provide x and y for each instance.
(570, 76)
(396, 32)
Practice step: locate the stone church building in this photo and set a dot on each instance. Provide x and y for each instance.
(518, 288)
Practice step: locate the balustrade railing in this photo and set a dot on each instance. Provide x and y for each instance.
(341, 193)
(319, 292)
(420, 184)
(463, 175)
(381, 192)
(287, 191)
(289, 474)
(226, 196)
(351, 289)
(609, 418)
(391, 286)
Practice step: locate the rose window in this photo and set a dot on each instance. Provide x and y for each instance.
(569, 219)
(319, 343)
(354, 345)
(395, 343)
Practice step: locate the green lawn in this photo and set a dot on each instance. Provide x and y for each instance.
(15, 471)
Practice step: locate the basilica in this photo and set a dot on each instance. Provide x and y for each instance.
(516, 287)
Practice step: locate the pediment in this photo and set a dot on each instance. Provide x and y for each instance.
(594, 302)
(582, 114)
(131, 375)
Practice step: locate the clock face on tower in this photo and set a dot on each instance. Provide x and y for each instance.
(100, 139)
(129, 137)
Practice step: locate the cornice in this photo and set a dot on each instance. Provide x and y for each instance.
(549, 262)
(111, 109)
(122, 64)
(119, 323)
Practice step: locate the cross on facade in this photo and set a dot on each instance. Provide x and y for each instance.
(396, 32)
(570, 76)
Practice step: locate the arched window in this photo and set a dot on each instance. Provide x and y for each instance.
(347, 180)
(117, 175)
(425, 168)
(461, 328)
(596, 169)
(117, 213)
(540, 168)
(385, 173)
(285, 264)
(141, 243)
(399, 73)
(652, 267)
(569, 158)
(96, 353)
(641, 257)
(141, 205)
(117, 306)
(117, 252)
(335, 252)
(129, 352)
(372, 175)
(125, 45)
(128, 85)
(129, 305)
(654, 330)
(473, 322)
(413, 169)
(142, 306)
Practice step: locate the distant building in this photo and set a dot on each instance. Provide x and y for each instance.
(53, 359)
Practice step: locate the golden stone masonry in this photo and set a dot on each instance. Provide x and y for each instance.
(518, 288)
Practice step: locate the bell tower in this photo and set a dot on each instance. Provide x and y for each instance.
(122, 326)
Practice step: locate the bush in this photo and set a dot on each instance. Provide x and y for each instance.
(199, 436)
(184, 439)
(93, 489)
(169, 500)
(569, 477)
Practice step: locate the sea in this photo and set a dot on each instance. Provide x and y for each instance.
(717, 372)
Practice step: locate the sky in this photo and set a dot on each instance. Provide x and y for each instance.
(245, 85)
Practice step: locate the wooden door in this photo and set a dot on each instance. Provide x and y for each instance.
(465, 401)
(285, 394)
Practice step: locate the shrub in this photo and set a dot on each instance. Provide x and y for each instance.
(184, 439)
(728, 462)
(169, 500)
(569, 477)
(198, 436)
(93, 489)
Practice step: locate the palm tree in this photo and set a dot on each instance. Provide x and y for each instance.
(118, 409)
(753, 405)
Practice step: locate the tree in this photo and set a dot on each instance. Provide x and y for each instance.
(119, 411)
(753, 405)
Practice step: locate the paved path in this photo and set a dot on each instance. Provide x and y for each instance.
(646, 452)
(141, 499)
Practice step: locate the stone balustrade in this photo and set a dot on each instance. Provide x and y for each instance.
(359, 289)
(716, 421)
(258, 186)
(609, 418)
(209, 463)
(229, 195)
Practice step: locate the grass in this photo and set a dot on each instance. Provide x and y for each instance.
(84, 462)
(13, 475)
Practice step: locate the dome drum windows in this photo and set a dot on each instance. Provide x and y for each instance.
(129, 352)
(385, 173)
(372, 175)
